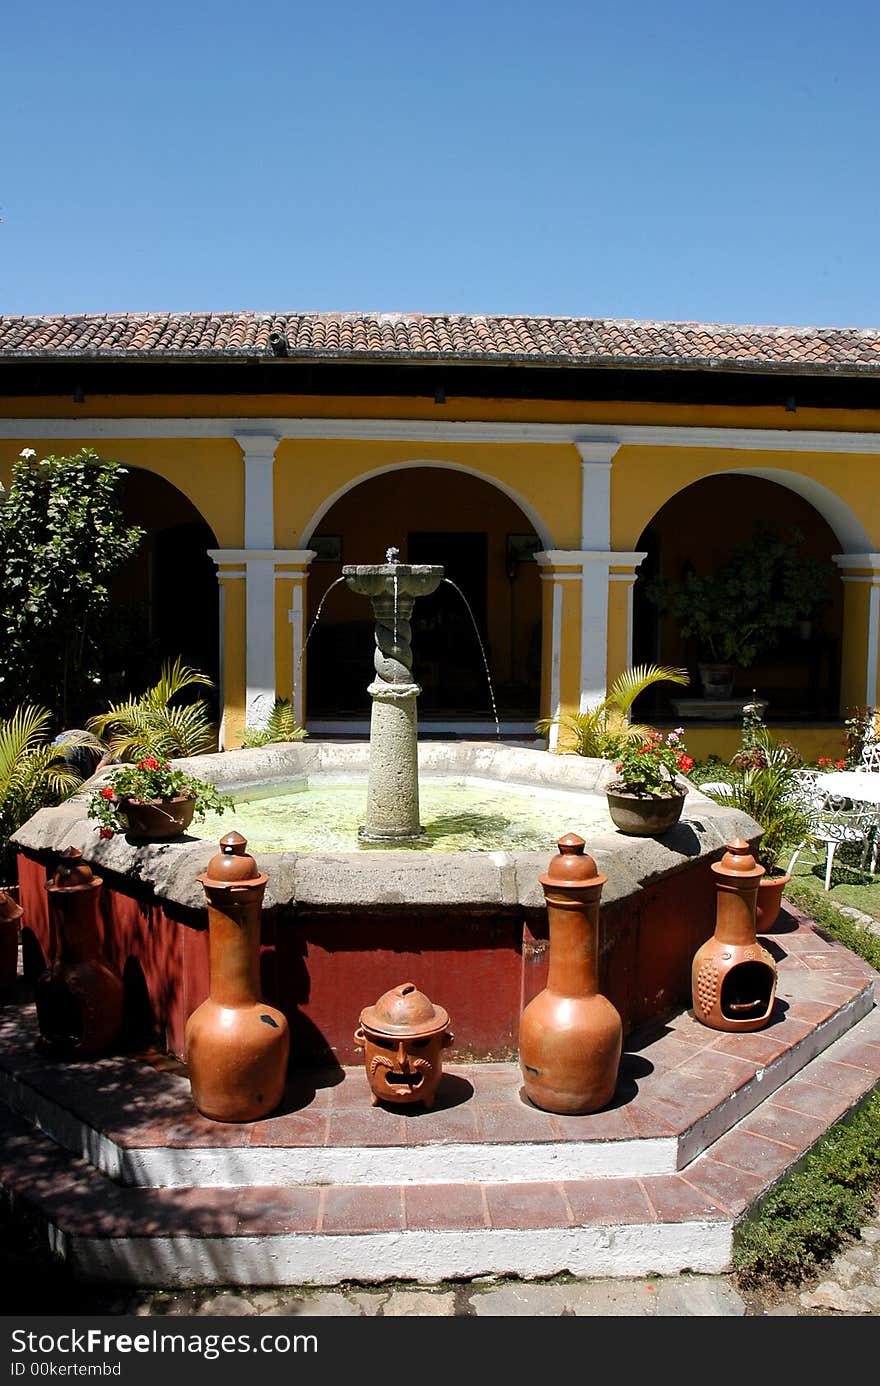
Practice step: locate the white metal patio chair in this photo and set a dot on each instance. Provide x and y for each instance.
(833, 821)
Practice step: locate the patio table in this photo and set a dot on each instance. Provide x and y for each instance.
(860, 787)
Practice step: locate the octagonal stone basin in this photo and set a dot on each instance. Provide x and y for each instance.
(340, 928)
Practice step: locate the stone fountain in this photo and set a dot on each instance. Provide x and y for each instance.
(393, 784)
(343, 924)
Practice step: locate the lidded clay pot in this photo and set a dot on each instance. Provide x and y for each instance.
(402, 1036)
(570, 1035)
(79, 999)
(237, 1046)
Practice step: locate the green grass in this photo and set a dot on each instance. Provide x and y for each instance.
(799, 1226)
(849, 886)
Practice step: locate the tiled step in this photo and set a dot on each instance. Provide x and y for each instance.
(681, 1086)
(324, 1234)
(134, 1186)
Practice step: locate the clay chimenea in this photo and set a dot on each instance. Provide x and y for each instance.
(402, 1037)
(733, 978)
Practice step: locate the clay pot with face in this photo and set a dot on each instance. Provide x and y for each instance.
(402, 1037)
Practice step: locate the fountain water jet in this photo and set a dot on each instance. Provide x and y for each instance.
(393, 783)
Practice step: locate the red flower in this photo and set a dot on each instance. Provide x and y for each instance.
(150, 763)
(841, 764)
(643, 750)
(106, 832)
(684, 763)
(107, 792)
(824, 762)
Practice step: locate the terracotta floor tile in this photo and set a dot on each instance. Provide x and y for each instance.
(812, 1011)
(680, 1100)
(196, 1130)
(456, 1124)
(607, 1200)
(797, 1129)
(647, 1123)
(527, 1205)
(665, 1053)
(520, 1123)
(203, 1212)
(306, 1128)
(609, 1124)
(675, 1200)
(365, 1126)
(839, 1077)
(804, 1095)
(854, 1053)
(728, 1070)
(276, 1210)
(756, 1154)
(757, 1046)
(439, 1207)
(353, 1091)
(728, 1187)
(362, 1208)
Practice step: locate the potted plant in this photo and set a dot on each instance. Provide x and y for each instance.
(738, 612)
(647, 797)
(764, 780)
(152, 800)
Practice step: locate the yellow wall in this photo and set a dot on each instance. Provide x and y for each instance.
(544, 479)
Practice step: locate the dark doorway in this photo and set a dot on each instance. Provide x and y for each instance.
(446, 652)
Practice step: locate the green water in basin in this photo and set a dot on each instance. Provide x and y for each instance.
(457, 816)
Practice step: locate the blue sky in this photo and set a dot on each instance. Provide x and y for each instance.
(674, 160)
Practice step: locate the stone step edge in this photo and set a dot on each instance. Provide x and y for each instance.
(115, 1233)
(488, 1162)
(72, 1200)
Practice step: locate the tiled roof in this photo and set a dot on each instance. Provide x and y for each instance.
(463, 338)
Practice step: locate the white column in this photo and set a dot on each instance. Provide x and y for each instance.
(295, 567)
(596, 456)
(259, 554)
(865, 568)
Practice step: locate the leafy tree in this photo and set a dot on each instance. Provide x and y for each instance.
(63, 537)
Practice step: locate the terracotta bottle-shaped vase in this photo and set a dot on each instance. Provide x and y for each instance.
(10, 916)
(570, 1035)
(79, 1000)
(237, 1046)
(733, 979)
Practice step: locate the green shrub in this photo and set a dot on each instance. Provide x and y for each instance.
(802, 1223)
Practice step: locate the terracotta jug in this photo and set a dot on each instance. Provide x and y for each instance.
(237, 1046)
(570, 1036)
(10, 915)
(733, 979)
(79, 1000)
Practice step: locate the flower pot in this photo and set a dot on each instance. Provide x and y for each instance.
(644, 815)
(770, 892)
(716, 680)
(157, 819)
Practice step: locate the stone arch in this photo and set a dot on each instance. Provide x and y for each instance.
(432, 512)
(535, 519)
(170, 581)
(802, 676)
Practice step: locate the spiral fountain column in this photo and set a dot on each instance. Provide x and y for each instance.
(393, 786)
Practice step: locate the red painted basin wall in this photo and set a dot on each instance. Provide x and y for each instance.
(322, 968)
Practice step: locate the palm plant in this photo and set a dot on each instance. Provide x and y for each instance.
(281, 725)
(33, 773)
(603, 730)
(150, 725)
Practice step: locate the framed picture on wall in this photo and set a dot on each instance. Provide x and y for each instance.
(521, 547)
(327, 547)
